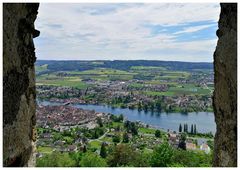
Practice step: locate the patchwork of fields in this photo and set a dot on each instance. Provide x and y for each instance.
(176, 80)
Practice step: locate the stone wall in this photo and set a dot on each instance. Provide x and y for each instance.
(225, 94)
(18, 83)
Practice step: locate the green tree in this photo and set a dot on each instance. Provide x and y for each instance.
(57, 136)
(127, 125)
(117, 128)
(152, 107)
(176, 165)
(191, 158)
(158, 106)
(116, 139)
(66, 133)
(145, 107)
(195, 129)
(183, 137)
(162, 155)
(103, 151)
(180, 128)
(139, 106)
(192, 129)
(158, 133)
(210, 144)
(95, 134)
(92, 160)
(76, 156)
(84, 149)
(56, 159)
(69, 140)
(186, 128)
(99, 122)
(182, 141)
(125, 138)
(120, 118)
(134, 128)
(116, 118)
(125, 155)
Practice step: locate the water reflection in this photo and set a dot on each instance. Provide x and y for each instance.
(204, 120)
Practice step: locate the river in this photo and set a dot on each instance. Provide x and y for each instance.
(204, 120)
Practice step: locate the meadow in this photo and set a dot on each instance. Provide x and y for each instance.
(147, 75)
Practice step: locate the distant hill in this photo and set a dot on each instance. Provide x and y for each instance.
(73, 65)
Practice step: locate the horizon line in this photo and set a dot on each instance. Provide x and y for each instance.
(125, 60)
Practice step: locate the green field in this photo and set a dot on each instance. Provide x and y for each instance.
(156, 82)
(41, 68)
(147, 130)
(155, 93)
(95, 144)
(116, 124)
(103, 74)
(100, 71)
(147, 68)
(148, 74)
(76, 84)
(106, 139)
(189, 89)
(44, 149)
(186, 89)
(177, 73)
(54, 80)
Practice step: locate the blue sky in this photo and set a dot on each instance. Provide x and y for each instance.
(127, 31)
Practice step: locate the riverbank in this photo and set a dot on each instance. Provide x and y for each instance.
(112, 132)
(203, 120)
(150, 107)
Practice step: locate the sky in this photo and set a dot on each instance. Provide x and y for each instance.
(127, 31)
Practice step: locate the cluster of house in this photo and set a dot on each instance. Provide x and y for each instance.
(54, 116)
(121, 89)
(71, 100)
(149, 87)
(200, 144)
(107, 90)
(148, 141)
(46, 91)
(184, 101)
(61, 146)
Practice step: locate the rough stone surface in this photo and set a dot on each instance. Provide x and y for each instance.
(225, 94)
(18, 82)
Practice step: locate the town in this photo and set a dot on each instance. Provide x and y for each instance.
(142, 88)
(67, 129)
(69, 135)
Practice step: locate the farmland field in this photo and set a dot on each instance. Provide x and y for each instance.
(131, 84)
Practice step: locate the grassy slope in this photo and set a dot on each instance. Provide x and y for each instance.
(41, 68)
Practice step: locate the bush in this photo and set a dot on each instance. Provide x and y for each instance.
(56, 159)
(103, 151)
(192, 158)
(92, 160)
(116, 139)
(117, 118)
(125, 155)
(162, 155)
(125, 138)
(158, 133)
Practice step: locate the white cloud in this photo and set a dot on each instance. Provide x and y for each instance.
(194, 29)
(117, 31)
